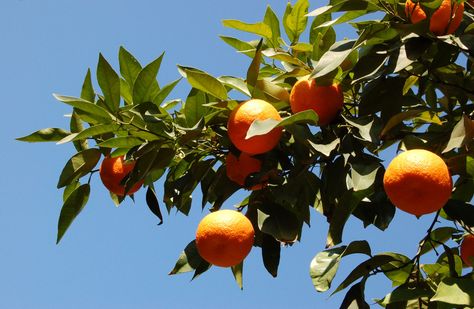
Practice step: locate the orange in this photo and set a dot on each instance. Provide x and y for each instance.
(224, 237)
(113, 171)
(467, 249)
(326, 101)
(239, 123)
(445, 20)
(418, 181)
(238, 169)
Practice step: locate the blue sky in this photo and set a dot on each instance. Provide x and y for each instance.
(118, 257)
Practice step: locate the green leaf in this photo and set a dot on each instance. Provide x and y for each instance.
(109, 83)
(71, 208)
(455, 291)
(165, 91)
(280, 223)
(271, 254)
(462, 133)
(45, 135)
(189, 260)
(261, 127)
(203, 81)
(333, 58)
(399, 118)
(260, 28)
(121, 142)
(345, 207)
(437, 236)
(129, 66)
(325, 149)
(460, 211)
(363, 175)
(324, 265)
(87, 92)
(235, 83)
(93, 110)
(146, 86)
(405, 293)
(295, 20)
(94, 131)
(254, 69)
(355, 297)
(365, 268)
(79, 165)
(241, 46)
(237, 271)
(272, 21)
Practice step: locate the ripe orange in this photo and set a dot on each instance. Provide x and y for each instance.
(224, 237)
(445, 20)
(418, 181)
(239, 123)
(238, 169)
(113, 171)
(326, 101)
(467, 249)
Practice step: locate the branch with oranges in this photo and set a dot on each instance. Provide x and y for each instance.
(302, 135)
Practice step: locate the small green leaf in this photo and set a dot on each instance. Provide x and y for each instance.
(71, 208)
(79, 165)
(95, 130)
(462, 133)
(87, 92)
(109, 83)
(254, 68)
(260, 28)
(295, 20)
(129, 66)
(237, 271)
(272, 21)
(146, 87)
(436, 237)
(241, 46)
(45, 135)
(165, 91)
(93, 110)
(455, 291)
(324, 265)
(122, 142)
(333, 58)
(203, 81)
(261, 127)
(326, 149)
(189, 260)
(363, 175)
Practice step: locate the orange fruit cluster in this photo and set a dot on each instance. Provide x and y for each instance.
(224, 238)
(445, 20)
(326, 101)
(467, 250)
(418, 181)
(113, 171)
(239, 168)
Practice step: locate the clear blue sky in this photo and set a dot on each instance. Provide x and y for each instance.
(118, 257)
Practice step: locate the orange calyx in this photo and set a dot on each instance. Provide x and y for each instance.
(326, 101)
(112, 172)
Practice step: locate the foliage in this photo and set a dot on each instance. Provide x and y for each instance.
(403, 87)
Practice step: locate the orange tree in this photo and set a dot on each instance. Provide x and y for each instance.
(397, 83)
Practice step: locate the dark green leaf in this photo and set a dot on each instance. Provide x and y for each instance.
(460, 211)
(109, 83)
(437, 236)
(254, 68)
(71, 208)
(146, 86)
(153, 204)
(45, 135)
(271, 254)
(96, 130)
(354, 298)
(333, 58)
(79, 165)
(463, 132)
(189, 260)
